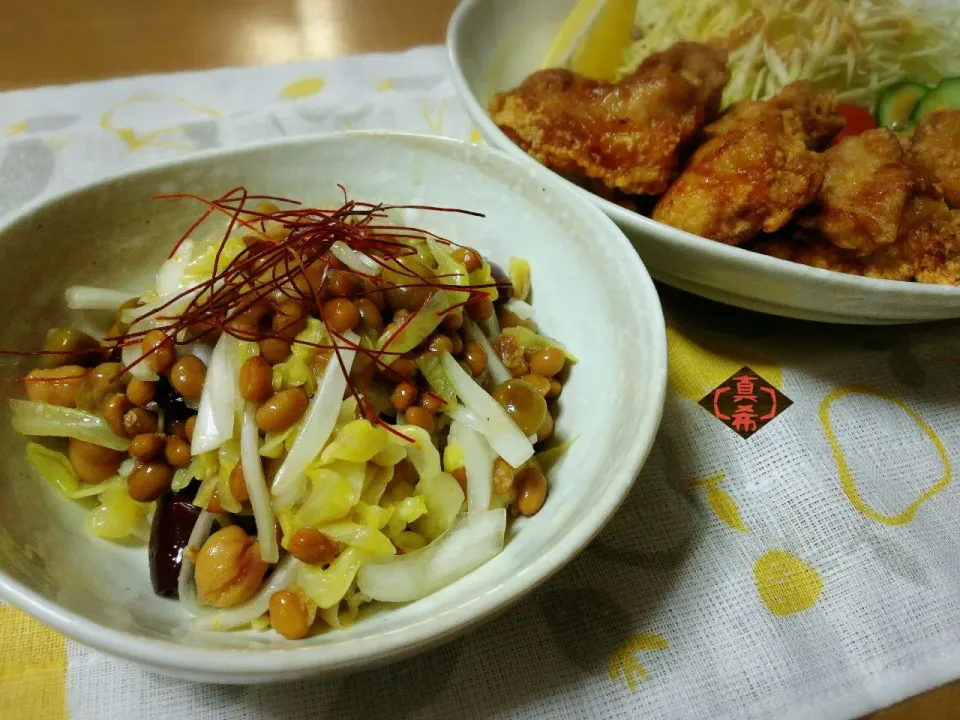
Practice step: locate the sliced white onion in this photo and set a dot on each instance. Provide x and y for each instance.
(217, 400)
(244, 614)
(129, 355)
(465, 416)
(478, 461)
(199, 348)
(521, 309)
(126, 467)
(85, 297)
(506, 439)
(186, 588)
(490, 326)
(257, 484)
(495, 366)
(170, 305)
(318, 423)
(356, 261)
(472, 541)
(169, 276)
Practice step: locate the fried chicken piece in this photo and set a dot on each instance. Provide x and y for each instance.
(808, 248)
(817, 112)
(869, 179)
(936, 146)
(927, 250)
(754, 175)
(932, 241)
(627, 135)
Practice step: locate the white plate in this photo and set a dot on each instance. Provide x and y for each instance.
(494, 44)
(590, 290)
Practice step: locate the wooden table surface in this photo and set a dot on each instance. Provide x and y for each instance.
(62, 41)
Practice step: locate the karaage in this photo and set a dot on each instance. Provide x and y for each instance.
(754, 174)
(869, 179)
(936, 145)
(627, 135)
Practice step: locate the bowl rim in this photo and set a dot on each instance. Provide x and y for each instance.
(710, 250)
(279, 662)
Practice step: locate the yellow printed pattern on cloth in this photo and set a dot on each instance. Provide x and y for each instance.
(720, 501)
(625, 664)
(33, 668)
(847, 481)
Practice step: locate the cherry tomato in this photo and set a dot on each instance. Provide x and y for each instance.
(858, 120)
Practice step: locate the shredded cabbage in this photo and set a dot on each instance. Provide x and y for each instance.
(326, 587)
(55, 468)
(546, 459)
(519, 274)
(41, 419)
(119, 515)
(357, 441)
(331, 492)
(420, 326)
(853, 47)
(298, 369)
(528, 341)
(201, 467)
(438, 379)
(362, 537)
(444, 498)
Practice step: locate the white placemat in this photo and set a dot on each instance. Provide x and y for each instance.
(811, 570)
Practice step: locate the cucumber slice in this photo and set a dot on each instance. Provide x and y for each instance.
(945, 96)
(896, 105)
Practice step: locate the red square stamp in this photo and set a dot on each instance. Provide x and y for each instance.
(745, 402)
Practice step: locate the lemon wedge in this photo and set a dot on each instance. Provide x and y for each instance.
(593, 38)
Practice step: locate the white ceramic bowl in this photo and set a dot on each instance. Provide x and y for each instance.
(590, 290)
(495, 44)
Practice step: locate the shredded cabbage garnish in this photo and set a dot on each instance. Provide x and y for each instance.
(853, 47)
